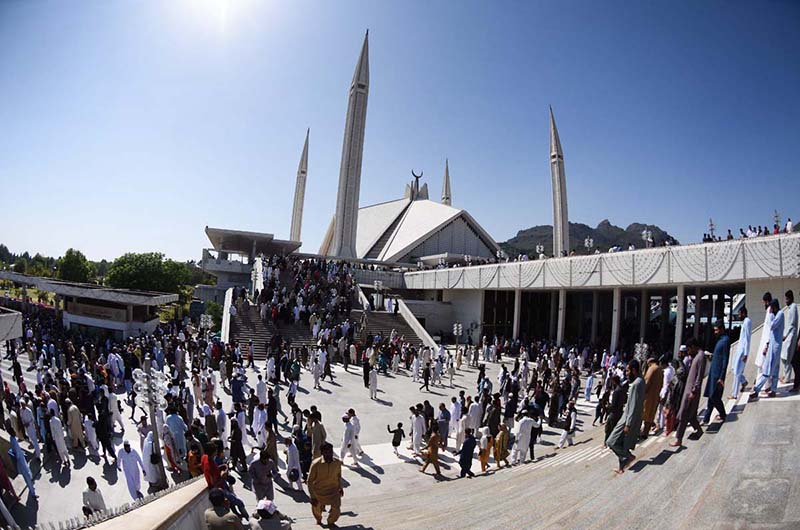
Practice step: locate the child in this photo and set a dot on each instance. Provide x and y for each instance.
(397, 436)
(600, 409)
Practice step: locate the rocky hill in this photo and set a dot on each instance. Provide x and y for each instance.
(605, 235)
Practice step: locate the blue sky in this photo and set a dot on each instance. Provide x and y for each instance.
(129, 126)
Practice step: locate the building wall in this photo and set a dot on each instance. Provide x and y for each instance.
(127, 328)
(467, 308)
(438, 316)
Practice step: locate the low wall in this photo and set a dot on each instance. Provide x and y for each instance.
(182, 509)
(414, 324)
(225, 331)
(10, 324)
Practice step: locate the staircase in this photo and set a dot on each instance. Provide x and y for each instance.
(383, 323)
(247, 325)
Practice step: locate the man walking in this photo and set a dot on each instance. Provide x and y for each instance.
(325, 485)
(687, 414)
(626, 432)
(789, 338)
(742, 350)
(716, 373)
(653, 379)
(771, 353)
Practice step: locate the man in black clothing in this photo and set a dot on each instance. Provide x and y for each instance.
(615, 406)
(426, 377)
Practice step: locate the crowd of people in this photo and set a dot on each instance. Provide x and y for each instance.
(83, 382)
(751, 232)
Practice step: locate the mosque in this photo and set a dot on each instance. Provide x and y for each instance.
(657, 295)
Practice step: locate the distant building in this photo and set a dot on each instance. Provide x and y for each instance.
(94, 309)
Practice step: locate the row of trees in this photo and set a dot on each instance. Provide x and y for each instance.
(149, 271)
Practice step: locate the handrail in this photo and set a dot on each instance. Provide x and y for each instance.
(414, 324)
(362, 298)
(225, 329)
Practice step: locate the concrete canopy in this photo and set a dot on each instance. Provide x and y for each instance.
(244, 242)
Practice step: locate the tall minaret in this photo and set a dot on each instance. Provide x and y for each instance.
(345, 222)
(559, 177)
(447, 197)
(300, 193)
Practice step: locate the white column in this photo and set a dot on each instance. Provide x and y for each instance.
(517, 308)
(697, 300)
(562, 309)
(644, 315)
(615, 315)
(595, 314)
(680, 318)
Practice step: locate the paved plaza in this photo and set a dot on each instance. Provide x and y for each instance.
(743, 470)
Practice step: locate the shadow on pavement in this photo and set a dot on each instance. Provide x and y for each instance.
(657, 460)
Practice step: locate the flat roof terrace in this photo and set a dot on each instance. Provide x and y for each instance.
(91, 291)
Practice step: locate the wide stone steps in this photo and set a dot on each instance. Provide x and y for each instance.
(383, 323)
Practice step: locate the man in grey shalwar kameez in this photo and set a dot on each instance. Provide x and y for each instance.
(626, 432)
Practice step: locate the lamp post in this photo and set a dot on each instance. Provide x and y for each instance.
(711, 227)
(457, 329)
(150, 388)
(588, 243)
(777, 218)
(647, 237)
(206, 323)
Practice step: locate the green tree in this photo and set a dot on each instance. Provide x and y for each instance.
(74, 266)
(215, 310)
(21, 265)
(147, 272)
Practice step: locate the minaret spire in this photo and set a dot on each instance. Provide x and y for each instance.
(300, 193)
(447, 197)
(559, 178)
(345, 222)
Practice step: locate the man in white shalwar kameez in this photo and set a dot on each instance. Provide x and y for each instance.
(130, 462)
(356, 422)
(373, 383)
(739, 361)
(455, 416)
(151, 471)
(91, 436)
(417, 430)
(415, 369)
(771, 356)
(347, 441)
(789, 337)
(474, 413)
(222, 425)
(29, 424)
(57, 431)
(293, 465)
(113, 409)
(258, 425)
(523, 440)
(762, 344)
